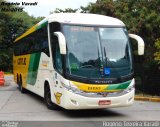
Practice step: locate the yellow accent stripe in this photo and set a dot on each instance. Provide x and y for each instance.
(31, 30)
(92, 87)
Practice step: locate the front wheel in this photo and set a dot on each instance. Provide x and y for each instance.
(47, 99)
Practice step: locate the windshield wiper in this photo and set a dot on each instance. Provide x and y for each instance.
(87, 66)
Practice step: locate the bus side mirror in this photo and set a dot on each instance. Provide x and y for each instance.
(140, 43)
(62, 42)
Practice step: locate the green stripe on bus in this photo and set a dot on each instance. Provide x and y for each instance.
(120, 86)
(33, 68)
(42, 25)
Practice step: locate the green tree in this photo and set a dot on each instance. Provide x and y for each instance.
(157, 54)
(67, 10)
(12, 24)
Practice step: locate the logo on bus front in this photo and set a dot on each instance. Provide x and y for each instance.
(58, 97)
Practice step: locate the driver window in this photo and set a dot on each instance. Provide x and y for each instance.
(57, 58)
(56, 54)
(54, 27)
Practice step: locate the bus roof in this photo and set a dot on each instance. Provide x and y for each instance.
(84, 18)
(75, 18)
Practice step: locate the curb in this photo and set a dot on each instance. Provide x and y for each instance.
(152, 99)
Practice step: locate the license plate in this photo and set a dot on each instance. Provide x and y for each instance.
(104, 102)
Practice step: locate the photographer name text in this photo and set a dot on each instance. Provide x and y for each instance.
(15, 6)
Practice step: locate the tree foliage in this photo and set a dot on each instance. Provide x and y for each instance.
(157, 54)
(12, 24)
(67, 10)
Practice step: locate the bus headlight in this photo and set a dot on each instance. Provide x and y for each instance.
(71, 88)
(74, 88)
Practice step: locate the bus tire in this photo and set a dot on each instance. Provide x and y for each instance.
(47, 98)
(17, 79)
(18, 82)
(22, 89)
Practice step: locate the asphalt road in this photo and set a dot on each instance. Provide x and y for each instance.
(15, 106)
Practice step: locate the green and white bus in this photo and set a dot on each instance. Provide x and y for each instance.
(77, 61)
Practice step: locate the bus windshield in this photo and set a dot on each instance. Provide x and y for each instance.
(97, 52)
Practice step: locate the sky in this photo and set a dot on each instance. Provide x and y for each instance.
(44, 7)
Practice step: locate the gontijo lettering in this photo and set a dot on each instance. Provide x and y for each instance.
(21, 61)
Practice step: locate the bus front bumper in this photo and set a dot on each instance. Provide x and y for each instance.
(73, 101)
